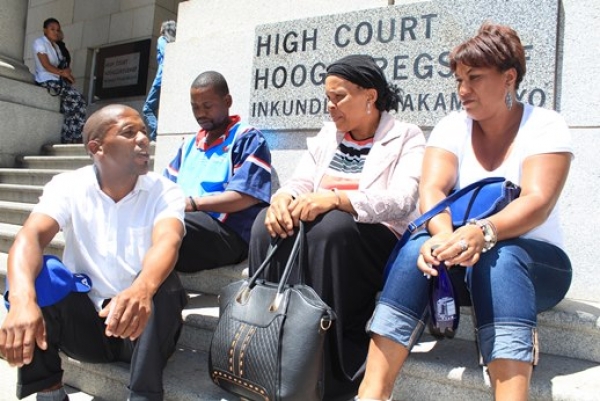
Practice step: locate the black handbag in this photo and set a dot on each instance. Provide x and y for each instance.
(475, 201)
(268, 344)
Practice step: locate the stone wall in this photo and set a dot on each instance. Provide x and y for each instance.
(89, 24)
(30, 117)
(220, 35)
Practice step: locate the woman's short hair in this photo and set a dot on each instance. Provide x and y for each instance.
(50, 21)
(497, 46)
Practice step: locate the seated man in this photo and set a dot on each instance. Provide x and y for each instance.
(225, 171)
(122, 227)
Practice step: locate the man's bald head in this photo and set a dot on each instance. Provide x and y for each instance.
(97, 125)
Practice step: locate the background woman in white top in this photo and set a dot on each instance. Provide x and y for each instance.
(511, 263)
(53, 73)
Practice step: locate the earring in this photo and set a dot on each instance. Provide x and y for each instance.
(368, 107)
(508, 99)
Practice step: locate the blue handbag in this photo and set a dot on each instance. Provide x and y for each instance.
(475, 201)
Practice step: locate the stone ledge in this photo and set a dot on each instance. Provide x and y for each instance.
(211, 281)
(448, 370)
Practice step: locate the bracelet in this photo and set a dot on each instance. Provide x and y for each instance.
(490, 234)
(193, 203)
(338, 200)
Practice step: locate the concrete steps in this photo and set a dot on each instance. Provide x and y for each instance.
(14, 212)
(60, 149)
(20, 193)
(211, 281)
(54, 162)
(185, 379)
(58, 162)
(8, 232)
(73, 149)
(448, 369)
(571, 330)
(21, 176)
(570, 333)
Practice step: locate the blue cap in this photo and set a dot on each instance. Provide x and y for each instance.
(55, 282)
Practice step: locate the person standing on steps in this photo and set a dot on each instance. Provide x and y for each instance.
(122, 227)
(53, 72)
(225, 172)
(168, 31)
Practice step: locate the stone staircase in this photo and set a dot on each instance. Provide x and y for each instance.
(569, 368)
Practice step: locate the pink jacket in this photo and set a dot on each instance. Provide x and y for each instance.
(389, 181)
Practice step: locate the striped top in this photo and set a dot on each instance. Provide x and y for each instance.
(347, 164)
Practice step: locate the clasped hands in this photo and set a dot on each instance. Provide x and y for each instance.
(67, 75)
(462, 247)
(285, 212)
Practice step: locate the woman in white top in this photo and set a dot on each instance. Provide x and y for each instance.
(53, 73)
(511, 263)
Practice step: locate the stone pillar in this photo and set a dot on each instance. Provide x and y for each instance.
(12, 29)
(30, 116)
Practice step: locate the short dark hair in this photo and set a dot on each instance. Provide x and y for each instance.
(214, 80)
(494, 45)
(50, 21)
(99, 122)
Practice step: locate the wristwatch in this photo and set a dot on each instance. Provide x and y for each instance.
(490, 236)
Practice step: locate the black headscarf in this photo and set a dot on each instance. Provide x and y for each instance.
(363, 71)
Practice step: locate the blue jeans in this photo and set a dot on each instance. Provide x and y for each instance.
(508, 286)
(150, 110)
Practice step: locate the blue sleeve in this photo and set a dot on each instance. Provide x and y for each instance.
(251, 161)
(160, 49)
(172, 170)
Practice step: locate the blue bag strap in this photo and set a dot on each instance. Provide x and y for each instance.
(446, 202)
(425, 217)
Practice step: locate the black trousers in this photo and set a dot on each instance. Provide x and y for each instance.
(344, 264)
(208, 244)
(74, 327)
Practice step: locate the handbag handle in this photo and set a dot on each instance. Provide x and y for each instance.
(438, 208)
(294, 253)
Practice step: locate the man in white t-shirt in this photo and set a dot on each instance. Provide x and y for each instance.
(122, 226)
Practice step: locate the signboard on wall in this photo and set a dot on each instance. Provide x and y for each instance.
(122, 70)
(411, 42)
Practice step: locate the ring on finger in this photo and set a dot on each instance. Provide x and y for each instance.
(463, 245)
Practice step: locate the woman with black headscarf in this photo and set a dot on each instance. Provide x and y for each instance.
(356, 190)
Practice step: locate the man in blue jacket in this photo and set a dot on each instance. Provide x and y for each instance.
(225, 173)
